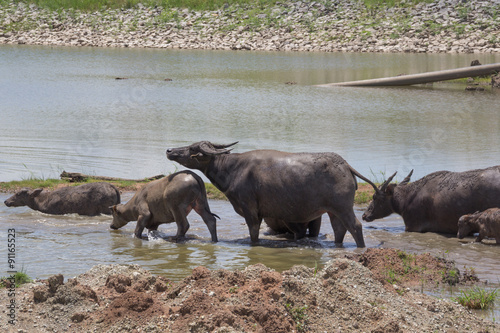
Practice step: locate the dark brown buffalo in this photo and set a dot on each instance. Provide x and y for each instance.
(297, 188)
(167, 200)
(87, 199)
(486, 223)
(436, 202)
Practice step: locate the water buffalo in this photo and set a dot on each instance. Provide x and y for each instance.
(436, 202)
(87, 199)
(292, 187)
(486, 223)
(167, 200)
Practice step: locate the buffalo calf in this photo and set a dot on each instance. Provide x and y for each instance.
(87, 199)
(486, 223)
(167, 200)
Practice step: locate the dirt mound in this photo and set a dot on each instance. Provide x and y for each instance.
(396, 267)
(344, 296)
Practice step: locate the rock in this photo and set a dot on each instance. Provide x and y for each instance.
(495, 81)
(54, 282)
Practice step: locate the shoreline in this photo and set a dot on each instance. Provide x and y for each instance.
(363, 194)
(348, 294)
(446, 26)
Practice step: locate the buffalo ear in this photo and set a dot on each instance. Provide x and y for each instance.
(36, 192)
(113, 208)
(390, 189)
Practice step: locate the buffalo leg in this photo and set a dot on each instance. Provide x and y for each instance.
(314, 227)
(349, 221)
(338, 227)
(299, 229)
(253, 223)
(209, 220)
(182, 223)
(142, 222)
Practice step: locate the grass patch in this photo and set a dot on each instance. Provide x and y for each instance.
(299, 315)
(363, 194)
(93, 5)
(477, 298)
(51, 184)
(33, 183)
(394, 3)
(214, 193)
(19, 278)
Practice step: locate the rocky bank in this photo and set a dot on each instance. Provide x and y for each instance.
(347, 295)
(454, 26)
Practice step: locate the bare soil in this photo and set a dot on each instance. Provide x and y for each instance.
(355, 294)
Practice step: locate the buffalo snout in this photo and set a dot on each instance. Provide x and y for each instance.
(367, 218)
(171, 153)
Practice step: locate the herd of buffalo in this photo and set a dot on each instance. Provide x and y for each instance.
(290, 192)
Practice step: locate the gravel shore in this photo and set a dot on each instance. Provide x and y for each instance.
(347, 295)
(451, 26)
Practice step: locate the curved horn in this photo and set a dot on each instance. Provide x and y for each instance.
(407, 179)
(386, 183)
(216, 146)
(208, 148)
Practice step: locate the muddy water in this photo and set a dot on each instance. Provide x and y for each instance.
(72, 244)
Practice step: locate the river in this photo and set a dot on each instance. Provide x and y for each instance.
(64, 109)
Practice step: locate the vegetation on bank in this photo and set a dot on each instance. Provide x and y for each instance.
(477, 298)
(18, 279)
(92, 5)
(363, 194)
(362, 25)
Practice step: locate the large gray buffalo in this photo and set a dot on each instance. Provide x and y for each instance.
(167, 200)
(436, 202)
(293, 188)
(87, 199)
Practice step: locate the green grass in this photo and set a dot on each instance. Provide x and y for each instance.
(214, 193)
(477, 298)
(361, 197)
(394, 3)
(19, 279)
(299, 315)
(30, 183)
(92, 5)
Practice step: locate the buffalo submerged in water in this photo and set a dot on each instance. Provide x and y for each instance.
(436, 202)
(295, 188)
(86, 199)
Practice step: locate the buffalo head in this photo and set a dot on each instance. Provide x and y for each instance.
(467, 224)
(381, 205)
(197, 155)
(23, 197)
(118, 220)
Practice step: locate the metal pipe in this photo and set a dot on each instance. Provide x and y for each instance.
(405, 80)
